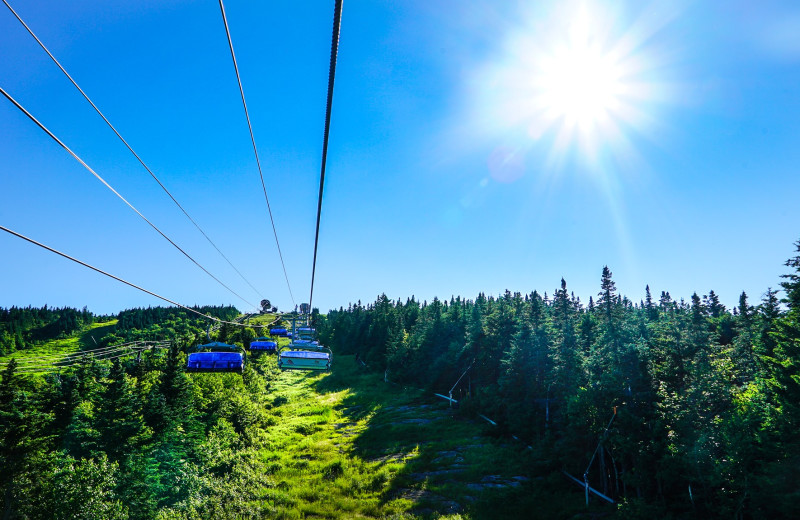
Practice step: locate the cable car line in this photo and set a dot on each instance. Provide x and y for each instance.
(83, 357)
(255, 150)
(47, 368)
(56, 139)
(337, 21)
(117, 278)
(153, 175)
(95, 353)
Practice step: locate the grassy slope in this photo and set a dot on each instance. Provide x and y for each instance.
(53, 349)
(345, 444)
(349, 445)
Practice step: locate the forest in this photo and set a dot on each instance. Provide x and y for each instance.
(673, 409)
(705, 400)
(20, 327)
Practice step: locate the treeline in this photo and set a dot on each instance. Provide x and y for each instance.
(20, 327)
(707, 400)
(144, 318)
(164, 323)
(24, 327)
(134, 439)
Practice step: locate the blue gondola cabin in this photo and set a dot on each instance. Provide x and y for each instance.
(263, 345)
(216, 357)
(215, 362)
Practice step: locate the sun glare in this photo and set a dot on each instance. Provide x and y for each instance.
(580, 85)
(578, 79)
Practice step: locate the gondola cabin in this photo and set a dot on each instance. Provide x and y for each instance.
(304, 338)
(216, 357)
(263, 345)
(306, 333)
(304, 360)
(304, 343)
(278, 332)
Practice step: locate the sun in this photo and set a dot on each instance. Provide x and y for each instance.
(573, 82)
(580, 81)
(580, 84)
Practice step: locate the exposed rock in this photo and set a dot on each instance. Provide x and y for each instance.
(497, 482)
(392, 457)
(439, 503)
(413, 421)
(427, 474)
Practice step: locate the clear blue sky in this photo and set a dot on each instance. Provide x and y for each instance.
(475, 146)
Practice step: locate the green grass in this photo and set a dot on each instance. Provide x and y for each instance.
(346, 444)
(89, 338)
(51, 350)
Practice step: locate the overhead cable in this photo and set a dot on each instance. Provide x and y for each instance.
(117, 278)
(78, 353)
(46, 368)
(56, 139)
(255, 150)
(31, 365)
(337, 21)
(57, 358)
(153, 175)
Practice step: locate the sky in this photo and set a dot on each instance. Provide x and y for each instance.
(475, 147)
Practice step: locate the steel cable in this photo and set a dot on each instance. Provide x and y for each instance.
(255, 150)
(337, 20)
(117, 278)
(153, 175)
(56, 139)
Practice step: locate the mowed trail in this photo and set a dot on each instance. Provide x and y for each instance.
(345, 444)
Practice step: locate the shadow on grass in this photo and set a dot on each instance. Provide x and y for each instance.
(92, 337)
(438, 461)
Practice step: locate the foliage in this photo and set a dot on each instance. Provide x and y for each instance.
(673, 408)
(704, 398)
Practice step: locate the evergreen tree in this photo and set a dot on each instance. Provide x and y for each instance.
(743, 355)
(768, 313)
(566, 355)
(21, 425)
(119, 419)
(785, 362)
(650, 308)
(175, 388)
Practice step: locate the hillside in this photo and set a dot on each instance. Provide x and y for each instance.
(116, 440)
(666, 408)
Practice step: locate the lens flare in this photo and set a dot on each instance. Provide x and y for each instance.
(576, 80)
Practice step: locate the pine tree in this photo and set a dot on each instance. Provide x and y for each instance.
(610, 339)
(607, 297)
(566, 357)
(21, 425)
(768, 313)
(715, 308)
(119, 419)
(743, 355)
(650, 308)
(785, 363)
(176, 391)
